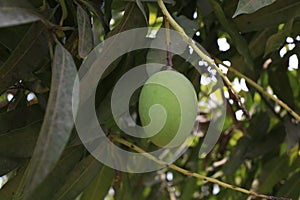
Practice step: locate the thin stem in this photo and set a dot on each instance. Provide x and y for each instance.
(190, 173)
(168, 41)
(262, 90)
(190, 42)
(212, 63)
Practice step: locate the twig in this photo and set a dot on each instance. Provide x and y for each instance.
(262, 90)
(168, 41)
(190, 173)
(212, 63)
(190, 42)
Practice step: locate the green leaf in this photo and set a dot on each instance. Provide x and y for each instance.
(14, 12)
(53, 182)
(277, 40)
(292, 133)
(238, 40)
(7, 164)
(291, 187)
(57, 124)
(250, 6)
(85, 43)
(19, 118)
(165, 1)
(189, 26)
(21, 62)
(98, 189)
(20, 143)
(142, 9)
(9, 189)
(79, 178)
(272, 172)
(279, 12)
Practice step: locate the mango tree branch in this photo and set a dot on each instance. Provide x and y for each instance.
(190, 173)
(262, 90)
(212, 63)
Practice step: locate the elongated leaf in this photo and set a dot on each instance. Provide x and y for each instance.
(279, 12)
(53, 182)
(85, 43)
(250, 6)
(14, 12)
(165, 1)
(98, 189)
(239, 41)
(273, 171)
(21, 62)
(57, 124)
(292, 133)
(79, 178)
(277, 40)
(291, 187)
(19, 118)
(20, 143)
(7, 164)
(9, 188)
(142, 9)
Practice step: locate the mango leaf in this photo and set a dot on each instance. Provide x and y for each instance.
(189, 26)
(20, 143)
(98, 189)
(9, 189)
(250, 6)
(238, 40)
(7, 164)
(277, 40)
(165, 1)
(292, 133)
(53, 182)
(85, 43)
(79, 178)
(21, 62)
(15, 13)
(57, 124)
(273, 171)
(291, 187)
(19, 118)
(279, 12)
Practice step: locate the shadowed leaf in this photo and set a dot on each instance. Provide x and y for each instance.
(14, 12)
(85, 43)
(57, 124)
(250, 6)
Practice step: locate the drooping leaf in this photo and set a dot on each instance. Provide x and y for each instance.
(142, 9)
(239, 41)
(98, 189)
(189, 26)
(9, 189)
(85, 35)
(292, 133)
(21, 62)
(165, 1)
(277, 40)
(291, 187)
(250, 6)
(19, 118)
(7, 164)
(79, 178)
(52, 183)
(271, 16)
(20, 143)
(57, 124)
(15, 13)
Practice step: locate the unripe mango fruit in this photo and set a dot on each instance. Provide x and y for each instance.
(167, 108)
